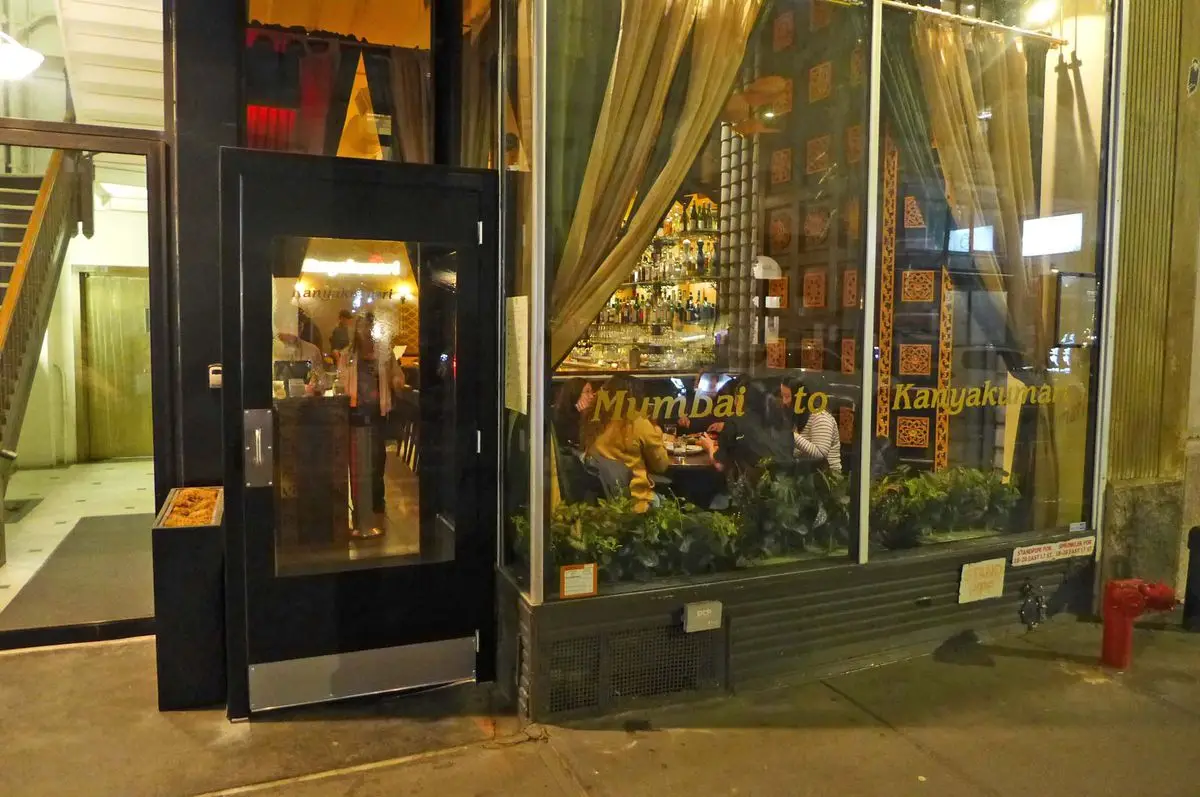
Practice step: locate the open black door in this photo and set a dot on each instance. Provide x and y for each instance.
(360, 380)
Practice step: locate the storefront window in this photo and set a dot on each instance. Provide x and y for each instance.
(706, 184)
(713, 219)
(345, 79)
(987, 284)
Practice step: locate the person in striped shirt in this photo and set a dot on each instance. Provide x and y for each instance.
(817, 438)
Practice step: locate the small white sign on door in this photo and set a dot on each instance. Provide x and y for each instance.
(982, 580)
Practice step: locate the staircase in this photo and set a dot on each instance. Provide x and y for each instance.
(18, 195)
(38, 217)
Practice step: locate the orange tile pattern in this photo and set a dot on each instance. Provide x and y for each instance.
(781, 166)
(850, 288)
(912, 432)
(855, 143)
(820, 15)
(846, 425)
(849, 352)
(917, 286)
(887, 287)
(941, 433)
(814, 288)
(820, 81)
(783, 31)
(777, 353)
(916, 359)
(812, 354)
(914, 219)
(817, 155)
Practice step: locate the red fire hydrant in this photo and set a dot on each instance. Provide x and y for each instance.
(1124, 601)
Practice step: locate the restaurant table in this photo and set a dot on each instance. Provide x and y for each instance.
(694, 479)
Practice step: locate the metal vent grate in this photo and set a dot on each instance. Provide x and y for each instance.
(661, 661)
(575, 674)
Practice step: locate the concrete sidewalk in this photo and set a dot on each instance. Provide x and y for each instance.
(1028, 715)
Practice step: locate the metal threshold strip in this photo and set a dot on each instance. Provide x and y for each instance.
(1054, 41)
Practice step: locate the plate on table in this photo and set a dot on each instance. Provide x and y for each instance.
(684, 449)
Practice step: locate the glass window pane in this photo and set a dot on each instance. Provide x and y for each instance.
(86, 62)
(986, 348)
(364, 394)
(704, 237)
(345, 79)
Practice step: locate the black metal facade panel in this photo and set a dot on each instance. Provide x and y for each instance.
(802, 631)
(777, 626)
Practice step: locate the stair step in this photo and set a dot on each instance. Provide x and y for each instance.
(21, 181)
(16, 215)
(17, 197)
(12, 232)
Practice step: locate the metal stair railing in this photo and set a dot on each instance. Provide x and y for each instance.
(25, 308)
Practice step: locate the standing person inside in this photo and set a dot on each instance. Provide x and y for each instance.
(339, 338)
(371, 375)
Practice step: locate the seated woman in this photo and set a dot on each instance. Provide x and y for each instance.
(618, 431)
(740, 443)
(818, 440)
(571, 408)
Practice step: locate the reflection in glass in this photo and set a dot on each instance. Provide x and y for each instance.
(986, 346)
(704, 282)
(344, 79)
(364, 396)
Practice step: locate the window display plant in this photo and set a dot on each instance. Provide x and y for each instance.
(908, 509)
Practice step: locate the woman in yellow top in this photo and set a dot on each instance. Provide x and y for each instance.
(616, 429)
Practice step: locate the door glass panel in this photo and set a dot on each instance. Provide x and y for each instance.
(363, 385)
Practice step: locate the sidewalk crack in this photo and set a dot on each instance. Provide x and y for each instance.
(935, 755)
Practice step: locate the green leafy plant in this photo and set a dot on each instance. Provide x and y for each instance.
(777, 512)
(908, 509)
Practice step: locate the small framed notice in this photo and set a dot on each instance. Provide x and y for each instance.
(577, 581)
(982, 580)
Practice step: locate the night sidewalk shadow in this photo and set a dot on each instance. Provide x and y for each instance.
(968, 650)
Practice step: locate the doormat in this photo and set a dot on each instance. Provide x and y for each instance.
(16, 510)
(100, 572)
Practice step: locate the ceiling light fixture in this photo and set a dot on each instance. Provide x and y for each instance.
(17, 61)
(350, 267)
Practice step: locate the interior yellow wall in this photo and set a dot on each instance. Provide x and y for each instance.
(399, 23)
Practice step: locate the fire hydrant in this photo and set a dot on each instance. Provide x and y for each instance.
(1124, 601)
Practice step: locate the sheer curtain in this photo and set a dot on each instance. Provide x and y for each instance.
(481, 42)
(413, 104)
(975, 86)
(620, 201)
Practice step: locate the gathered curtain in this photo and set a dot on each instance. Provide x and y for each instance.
(413, 104)
(480, 47)
(620, 201)
(976, 90)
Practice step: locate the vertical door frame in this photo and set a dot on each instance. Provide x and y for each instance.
(151, 145)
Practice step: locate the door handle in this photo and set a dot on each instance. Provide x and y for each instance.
(259, 459)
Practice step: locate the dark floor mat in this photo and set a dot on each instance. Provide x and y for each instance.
(15, 510)
(101, 572)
